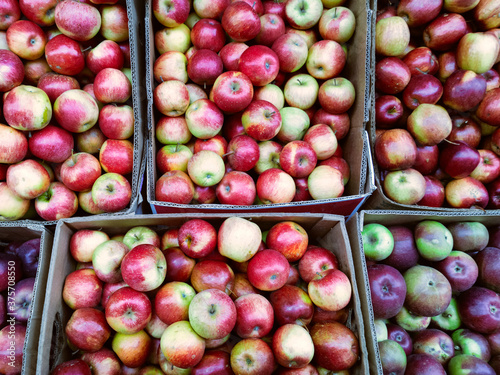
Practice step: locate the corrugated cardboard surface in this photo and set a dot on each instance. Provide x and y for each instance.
(328, 231)
(135, 11)
(409, 218)
(16, 231)
(355, 145)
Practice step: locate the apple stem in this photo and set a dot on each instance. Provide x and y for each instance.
(177, 147)
(161, 79)
(228, 153)
(451, 142)
(86, 49)
(335, 13)
(204, 85)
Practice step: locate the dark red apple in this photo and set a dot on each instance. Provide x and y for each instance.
(391, 75)
(458, 159)
(479, 309)
(405, 254)
(488, 263)
(387, 289)
(422, 88)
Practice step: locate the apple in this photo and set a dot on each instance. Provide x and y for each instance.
(238, 239)
(15, 145)
(292, 52)
(89, 21)
(487, 110)
(301, 91)
(232, 91)
(174, 186)
(291, 305)
(487, 263)
(29, 252)
(114, 22)
(197, 238)
(464, 83)
(212, 274)
(230, 55)
(388, 111)
(392, 75)
(170, 130)
(261, 120)
(268, 270)
(388, 290)
(466, 192)
(171, 13)
(28, 179)
(395, 149)
(27, 108)
(276, 186)
(112, 86)
(421, 124)
(423, 88)
(34, 69)
(302, 14)
(471, 363)
(111, 192)
(289, 238)
(473, 45)
(392, 36)
(117, 121)
(170, 65)
(254, 316)
(144, 267)
(10, 14)
(403, 338)
(436, 343)
(103, 360)
(57, 202)
(392, 357)
(252, 356)
(204, 66)
(298, 159)
(89, 141)
(433, 240)
(82, 288)
(181, 345)
(208, 34)
(470, 342)
(87, 329)
(26, 39)
(236, 188)
(336, 95)
(316, 261)
(76, 111)
(295, 123)
(132, 349)
(83, 243)
(445, 31)
(285, 349)
(478, 308)
(325, 182)
(128, 311)
(331, 292)
(71, 367)
(107, 258)
(241, 22)
(209, 9)
(14, 70)
(64, 55)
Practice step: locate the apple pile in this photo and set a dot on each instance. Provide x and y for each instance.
(249, 103)
(434, 291)
(60, 78)
(18, 266)
(172, 302)
(437, 107)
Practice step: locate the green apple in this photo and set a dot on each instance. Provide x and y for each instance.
(406, 186)
(294, 124)
(434, 241)
(472, 343)
(378, 242)
(464, 364)
(173, 39)
(206, 168)
(477, 52)
(380, 330)
(392, 36)
(272, 93)
(449, 320)
(411, 322)
(303, 14)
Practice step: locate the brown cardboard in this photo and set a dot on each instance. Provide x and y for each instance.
(328, 230)
(135, 11)
(355, 145)
(394, 217)
(23, 232)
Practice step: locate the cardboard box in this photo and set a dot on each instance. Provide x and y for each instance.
(135, 11)
(16, 231)
(355, 145)
(391, 217)
(327, 230)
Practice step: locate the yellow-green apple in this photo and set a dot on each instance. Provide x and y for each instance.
(232, 91)
(173, 157)
(171, 13)
(27, 108)
(392, 75)
(83, 243)
(206, 168)
(176, 38)
(292, 52)
(114, 22)
(243, 152)
(55, 84)
(112, 86)
(132, 349)
(76, 111)
(301, 91)
(470, 342)
(210, 9)
(175, 187)
(260, 64)
(255, 316)
(87, 329)
(241, 22)
(140, 235)
(271, 93)
(336, 95)
(33, 70)
(89, 20)
(275, 186)
(392, 36)
(13, 70)
(433, 240)
(104, 360)
(181, 345)
(298, 159)
(392, 357)
(171, 65)
(204, 66)
(106, 260)
(291, 305)
(410, 321)
(204, 119)
(106, 54)
(212, 274)
(26, 39)
(80, 171)
(325, 59)
(28, 179)
(208, 34)
(11, 12)
(387, 289)
(336, 348)
(289, 238)
(272, 27)
(252, 356)
(230, 55)
(292, 346)
(172, 130)
(429, 124)
(338, 24)
(322, 139)
(197, 238)
(128, 311)
(172, 301)
(212, 314)
(14, 146)
(303, 15)
(238, 239)
(82, 288)
(88, 141)
(64, 55)
(325, 182)
(195, 92)
(236, 188)
(71, 367)
(269, 153)
(331, 291)
(192, 19)
(268, 270)
(445, 31)
(295, 123)
(144, 267)
(111, 192)
(405, 186)
(378, 241)
(459, 6)
(117, 121)
(425, 88)
(477, 52)
(466, 192)
(57, 202)
(117, 156)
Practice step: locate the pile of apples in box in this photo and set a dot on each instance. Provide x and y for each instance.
(250, 99)
(67, 124)
(438, 102)
(434, 290)
(199, 299)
